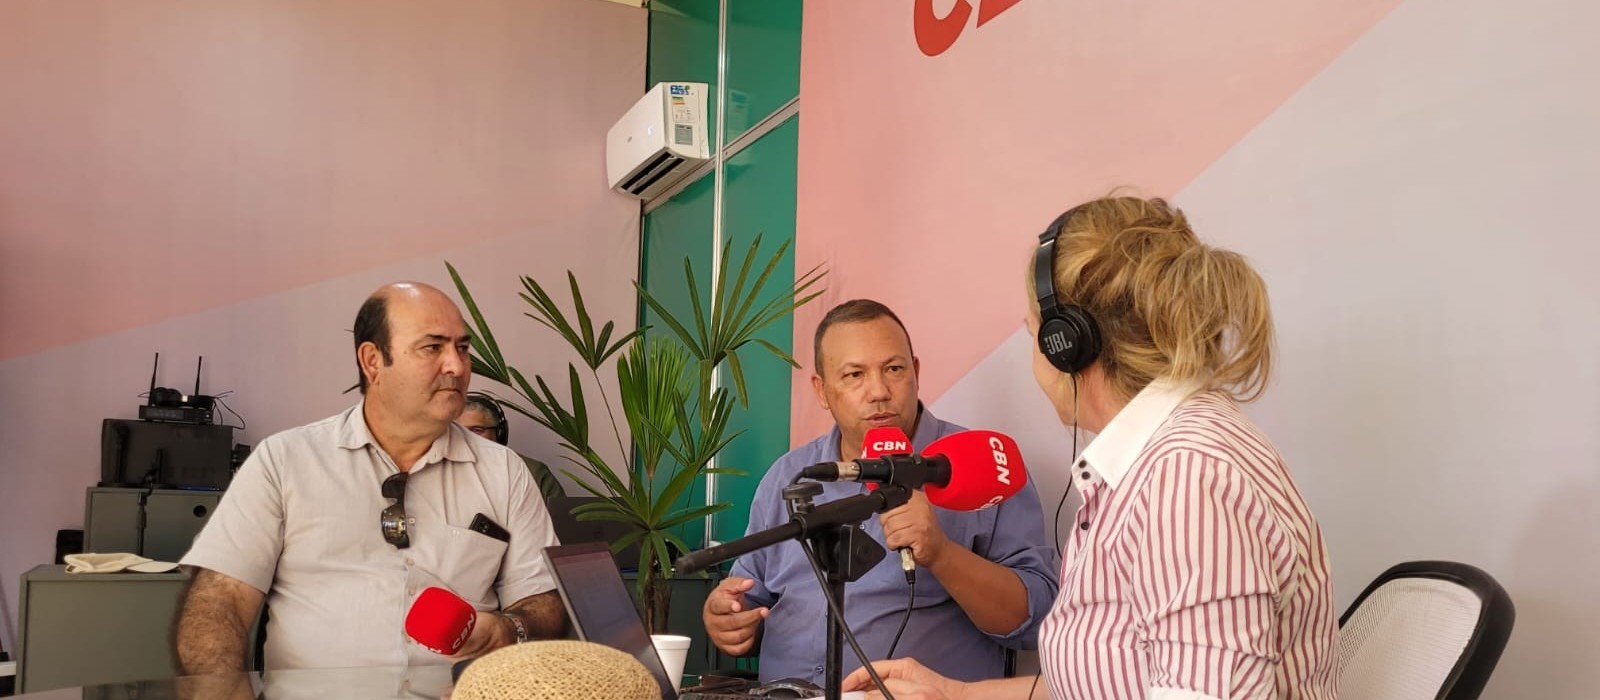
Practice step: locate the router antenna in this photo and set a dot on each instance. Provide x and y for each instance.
(150, 398)
(197, 367)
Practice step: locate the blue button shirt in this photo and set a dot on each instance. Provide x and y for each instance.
(940, 635)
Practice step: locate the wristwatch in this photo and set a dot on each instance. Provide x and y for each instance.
(516, 623)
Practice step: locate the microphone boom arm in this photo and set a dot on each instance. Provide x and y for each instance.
(845, 511)
(838, 550)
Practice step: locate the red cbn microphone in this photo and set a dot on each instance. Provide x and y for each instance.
(884, 441)
(969, 470)
(440, 621)
(890, 441)
(985, 469)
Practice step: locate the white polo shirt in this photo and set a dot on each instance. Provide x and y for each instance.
(300, 523)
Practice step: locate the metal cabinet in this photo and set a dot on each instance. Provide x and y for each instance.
(87, 629)
(170, 521)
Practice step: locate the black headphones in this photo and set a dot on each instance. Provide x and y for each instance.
(502, 431)
(1068, 335)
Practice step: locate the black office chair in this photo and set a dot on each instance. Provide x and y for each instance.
(1424, 630)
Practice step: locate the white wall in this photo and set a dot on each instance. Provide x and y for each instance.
(1421, 211)
(376, 141)
(1438, 310)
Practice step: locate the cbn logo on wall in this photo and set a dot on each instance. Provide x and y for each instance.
(935, 34)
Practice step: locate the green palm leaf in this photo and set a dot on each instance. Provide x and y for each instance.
(678, 418)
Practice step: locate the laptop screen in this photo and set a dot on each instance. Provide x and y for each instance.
(571, 530)
(599, 606)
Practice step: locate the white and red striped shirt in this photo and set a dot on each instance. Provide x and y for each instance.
(1195, 569)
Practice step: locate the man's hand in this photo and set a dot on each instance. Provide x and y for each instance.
(542, 616)
(490, 631)
(730, 623)
(907, 679)
(914, 525)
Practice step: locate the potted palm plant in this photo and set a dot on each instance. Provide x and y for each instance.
(676, 411)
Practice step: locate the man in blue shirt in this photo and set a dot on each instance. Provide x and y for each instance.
(984, 581)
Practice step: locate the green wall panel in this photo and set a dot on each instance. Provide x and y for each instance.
(763, 72)
(763, 60)
(678, 229)
(683, 47)
(759, 198)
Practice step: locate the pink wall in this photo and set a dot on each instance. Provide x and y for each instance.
(232, 179)
(902, 155)
(1410, 178)
(240, 149)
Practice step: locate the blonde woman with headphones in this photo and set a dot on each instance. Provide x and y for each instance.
(1194, 568)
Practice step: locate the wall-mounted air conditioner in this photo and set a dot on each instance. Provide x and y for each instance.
(661, 138)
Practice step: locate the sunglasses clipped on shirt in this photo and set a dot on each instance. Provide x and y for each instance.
(393, 518)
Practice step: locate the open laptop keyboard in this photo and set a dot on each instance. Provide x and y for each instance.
(745, 689)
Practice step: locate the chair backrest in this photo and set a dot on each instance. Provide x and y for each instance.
(1424, 630)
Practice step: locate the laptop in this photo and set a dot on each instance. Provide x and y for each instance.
(599, 606)
(602, 612)
(570, 530)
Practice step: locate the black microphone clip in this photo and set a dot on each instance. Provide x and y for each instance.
(910, 471)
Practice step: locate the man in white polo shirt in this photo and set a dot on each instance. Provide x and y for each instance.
(340, 524)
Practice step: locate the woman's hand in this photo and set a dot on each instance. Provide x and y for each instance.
(908, 680)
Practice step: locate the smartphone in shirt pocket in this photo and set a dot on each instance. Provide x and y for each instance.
(482, 525)
(471, 563)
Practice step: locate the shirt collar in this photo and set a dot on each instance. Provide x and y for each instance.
(1114, 450)
(452, 445)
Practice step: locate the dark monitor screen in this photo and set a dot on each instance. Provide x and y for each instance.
(571, 530)
(166, 455)
(599, 606)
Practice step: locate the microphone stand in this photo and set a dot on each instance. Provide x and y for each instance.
(844, 552)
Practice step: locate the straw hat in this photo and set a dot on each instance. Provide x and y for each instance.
(565, 669)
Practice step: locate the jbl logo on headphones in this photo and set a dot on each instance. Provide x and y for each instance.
(1056, 343)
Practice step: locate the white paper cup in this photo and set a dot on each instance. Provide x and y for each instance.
(673, 650)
